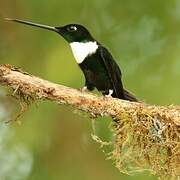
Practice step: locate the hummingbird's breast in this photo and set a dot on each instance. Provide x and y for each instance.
(83, 49)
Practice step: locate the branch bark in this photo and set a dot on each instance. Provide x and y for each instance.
(88, 102)
(156, 125)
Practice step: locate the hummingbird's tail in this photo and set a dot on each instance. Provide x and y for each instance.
(130, 97)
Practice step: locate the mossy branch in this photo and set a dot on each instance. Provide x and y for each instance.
(146, 136)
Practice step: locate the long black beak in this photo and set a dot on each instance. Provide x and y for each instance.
(50, 28)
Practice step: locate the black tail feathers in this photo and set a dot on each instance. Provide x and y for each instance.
(130, 97)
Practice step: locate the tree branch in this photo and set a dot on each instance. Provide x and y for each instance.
(152, 129)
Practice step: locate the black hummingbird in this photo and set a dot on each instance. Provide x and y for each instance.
(99, 68)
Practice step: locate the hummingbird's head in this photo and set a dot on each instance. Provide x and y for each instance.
(71, 32)
(79, 38)
(74, 33)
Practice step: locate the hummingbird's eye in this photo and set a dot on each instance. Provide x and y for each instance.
(72, 28)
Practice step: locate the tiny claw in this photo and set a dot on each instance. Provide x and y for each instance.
(109, 95)
(84, 89)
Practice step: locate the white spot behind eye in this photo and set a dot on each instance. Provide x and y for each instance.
(72, 28)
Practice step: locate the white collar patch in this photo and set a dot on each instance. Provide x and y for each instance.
(82, 49)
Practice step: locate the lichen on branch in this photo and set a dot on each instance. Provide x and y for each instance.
(146, 137)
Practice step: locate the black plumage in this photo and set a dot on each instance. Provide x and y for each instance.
(101, 71)
(99, 68)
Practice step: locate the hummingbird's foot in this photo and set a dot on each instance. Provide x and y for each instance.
(84, 89)
(107, 94)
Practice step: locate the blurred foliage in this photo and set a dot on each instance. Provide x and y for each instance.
(15, 159)
(144, 39)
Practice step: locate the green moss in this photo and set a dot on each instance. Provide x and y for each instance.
(24, 101)
(145, 141)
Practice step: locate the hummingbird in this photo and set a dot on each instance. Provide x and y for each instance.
(97, 64)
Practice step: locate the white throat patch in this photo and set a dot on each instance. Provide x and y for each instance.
(82, 49)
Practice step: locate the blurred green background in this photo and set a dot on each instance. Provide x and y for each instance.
(54, 142)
